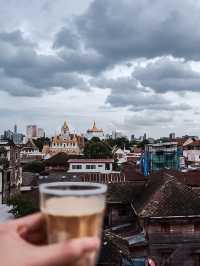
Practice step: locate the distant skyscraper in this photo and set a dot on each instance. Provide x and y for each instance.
(17, 138)
(40, 133)
(145, 136)
(15, 129)
(132, 137)
(172, 135)
(116, 134)
(8, 134)
(31, 131)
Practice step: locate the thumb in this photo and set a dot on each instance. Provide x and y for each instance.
(65, 252)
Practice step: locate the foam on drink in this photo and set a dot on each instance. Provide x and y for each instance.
(74, 206)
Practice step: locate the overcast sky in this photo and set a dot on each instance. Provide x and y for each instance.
(130, 65)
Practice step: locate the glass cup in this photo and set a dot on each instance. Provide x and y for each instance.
(73, 210)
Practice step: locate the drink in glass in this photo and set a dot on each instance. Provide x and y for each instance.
(73, 210)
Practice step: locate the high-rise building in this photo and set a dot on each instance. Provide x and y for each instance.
(172, 135)
(117, 134)
(132, 137)
(8, 135)
(31, 131)
(145, 136)
(15, 129)
(40, 133)
(17, 138)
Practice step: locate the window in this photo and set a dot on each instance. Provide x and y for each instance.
(107, 166)
(77, 166)
(90, 166)
(100, 165)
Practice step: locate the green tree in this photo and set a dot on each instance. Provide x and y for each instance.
(22, 205)
(34, 167)
(40, 142)
(119, 142)
(95, 139)
(97, 150)
(142, 144)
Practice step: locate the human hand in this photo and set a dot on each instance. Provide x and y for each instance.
(22, 243)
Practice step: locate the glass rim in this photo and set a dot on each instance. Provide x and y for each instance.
(98, 189)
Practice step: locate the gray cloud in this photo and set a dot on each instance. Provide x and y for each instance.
(67, 38)
(126, 92)
(24, 72)
(143, 120)
(121, 29)
(166, 74)
(15, 38)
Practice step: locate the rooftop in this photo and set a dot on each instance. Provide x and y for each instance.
(162, 144)
(91, 161)
(194, 143)
(165, 196)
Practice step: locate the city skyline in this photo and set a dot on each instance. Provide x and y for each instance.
(101, 60)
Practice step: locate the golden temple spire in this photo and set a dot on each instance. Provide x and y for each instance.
(94, 126)
(65, 126)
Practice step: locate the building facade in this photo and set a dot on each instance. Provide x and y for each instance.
(10, 171)
(30, 152)
(31, 131)
(40, 133)
(162, 156)
(70, 143)
(191, 152)
(90, 165)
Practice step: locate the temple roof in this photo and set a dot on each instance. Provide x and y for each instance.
(94, 128)
(65, 126)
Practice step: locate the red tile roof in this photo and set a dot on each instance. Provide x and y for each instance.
(190, 178)
(166, 196)
(131, 173)
(194, 143)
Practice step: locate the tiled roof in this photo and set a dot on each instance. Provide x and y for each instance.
(180, 142)
(124, 193)
(194, 143)
(190, 178)
(91, 161)
(131, 173)
(165, 196)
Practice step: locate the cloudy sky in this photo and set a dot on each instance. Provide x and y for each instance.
(130, 65)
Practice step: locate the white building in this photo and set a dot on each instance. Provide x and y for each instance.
(192, 152)
(90, 165)
(95, 132)
(121, 155)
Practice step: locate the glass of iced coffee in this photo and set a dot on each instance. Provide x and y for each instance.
(73, 210)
